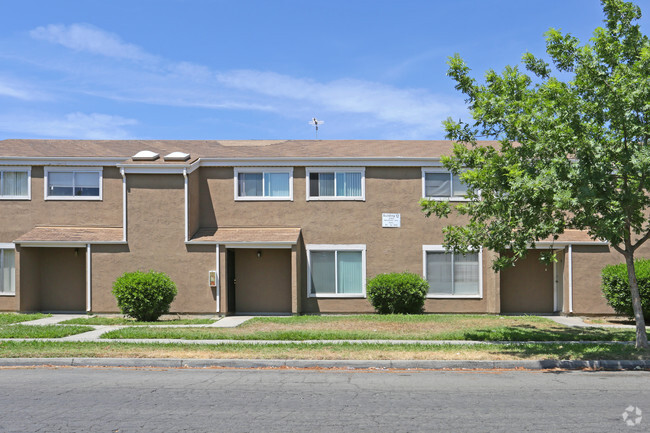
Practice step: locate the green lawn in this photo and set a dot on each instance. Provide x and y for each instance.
(97, 320)
(45, 349)
(41, 331)
(6, 318)
(393, 327)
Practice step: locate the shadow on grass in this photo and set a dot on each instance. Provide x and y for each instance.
(532, 333)
(586, 352)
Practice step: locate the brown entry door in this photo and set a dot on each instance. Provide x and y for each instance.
(528, 286)
(263, 280)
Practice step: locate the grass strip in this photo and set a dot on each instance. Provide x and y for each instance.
(41, 331)
(558, 333)
(7, 318)
(46, 349)
(133, 322)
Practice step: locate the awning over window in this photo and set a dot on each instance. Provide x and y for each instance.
(81, 235)
(246, 235)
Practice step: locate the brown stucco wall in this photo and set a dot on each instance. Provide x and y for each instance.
(263, 284)
(388, 190)
(193, 198)
(527, 287)
(588, 262)
(155, 233)
(28, 291)
(41, 212)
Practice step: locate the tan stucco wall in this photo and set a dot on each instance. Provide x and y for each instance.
(264, 283)
(388, 190)
(527, 287)
(193, 198)
(588, 262)
(40, 212)
(155, 205)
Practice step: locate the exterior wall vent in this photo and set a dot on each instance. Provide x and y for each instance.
(145, 155)
(177, 156)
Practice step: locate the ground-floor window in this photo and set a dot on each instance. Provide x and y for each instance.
(337, 270)
(452, 274)
(7, 271)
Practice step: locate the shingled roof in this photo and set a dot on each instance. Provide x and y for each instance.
(125, 149)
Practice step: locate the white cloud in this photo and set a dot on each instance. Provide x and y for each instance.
(84, 37)
(22, 91)
(93, 126)
(377, 108)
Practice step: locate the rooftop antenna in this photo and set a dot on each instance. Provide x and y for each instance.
(315, 122)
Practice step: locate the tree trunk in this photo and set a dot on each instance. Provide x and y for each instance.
(641, 337)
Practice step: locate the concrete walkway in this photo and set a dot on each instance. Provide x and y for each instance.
(578, 322)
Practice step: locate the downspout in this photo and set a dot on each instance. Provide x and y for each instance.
(88, 279)
(570, 279)
(187, 205)
(123, 204)
(218, 281)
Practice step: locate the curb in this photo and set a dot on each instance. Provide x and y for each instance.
(548, 364)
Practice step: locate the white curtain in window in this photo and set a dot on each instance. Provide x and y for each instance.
(348, 184)
(460, 189)
(439, 273)
(8, 271)
(323, 272)
(437, 185)
(349, 272)
(466, 274)
(276, 184)
(250, 184)
(326, 184)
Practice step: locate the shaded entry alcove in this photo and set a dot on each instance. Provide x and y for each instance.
(53, 279)
(259, 280)
(528, 286)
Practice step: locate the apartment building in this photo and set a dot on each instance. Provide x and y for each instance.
(284, 226)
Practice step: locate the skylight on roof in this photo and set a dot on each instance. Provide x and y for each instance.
(177, 156)
(145, 155)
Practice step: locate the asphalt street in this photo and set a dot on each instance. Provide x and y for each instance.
(103, 399)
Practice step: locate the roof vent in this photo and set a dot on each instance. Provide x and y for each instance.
(177, 156)
(145, 155)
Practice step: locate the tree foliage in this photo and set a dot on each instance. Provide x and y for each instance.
(569, 153)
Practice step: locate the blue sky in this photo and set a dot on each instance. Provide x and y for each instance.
(211, 69)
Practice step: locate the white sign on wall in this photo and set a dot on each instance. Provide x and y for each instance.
(391, 220)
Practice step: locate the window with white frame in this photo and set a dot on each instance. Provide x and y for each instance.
(14, 183)
(337, 270)
(7, 269)
(263, 184)
(77, 184)
(335, 184)
(452, 274)
(437, 183)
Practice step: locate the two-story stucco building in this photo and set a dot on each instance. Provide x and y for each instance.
(257, 227)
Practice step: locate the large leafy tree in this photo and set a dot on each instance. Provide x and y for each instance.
(572, 151)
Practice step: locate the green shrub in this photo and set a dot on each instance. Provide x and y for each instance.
(616, 288)
(397, 293)
(145, 296)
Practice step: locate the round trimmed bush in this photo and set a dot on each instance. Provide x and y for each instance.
(397, 293)
(616, 287)
(145, 296)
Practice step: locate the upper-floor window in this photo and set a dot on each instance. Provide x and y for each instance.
(437, 183)
(7, 269)
(335, 184)
(73, 184)
(14, 183)
(263, 183)
(452, 275)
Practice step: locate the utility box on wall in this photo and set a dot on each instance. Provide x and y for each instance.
(213, 278)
